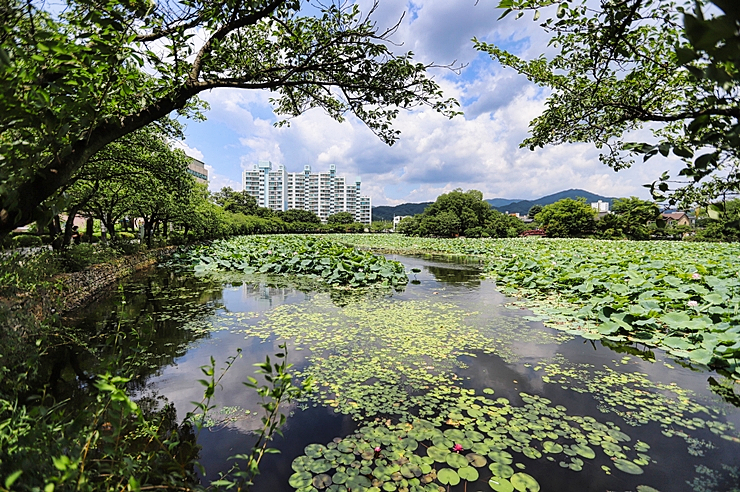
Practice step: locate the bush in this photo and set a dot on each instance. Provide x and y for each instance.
(126, 235)
(81, 256)
(26, 241)
(126, 246)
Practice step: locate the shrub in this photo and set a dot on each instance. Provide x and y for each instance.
(81, 256)
(26, 241)
(126, 246)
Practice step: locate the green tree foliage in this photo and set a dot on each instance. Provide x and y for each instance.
(237, 202)
(341, 218)
(381, 225)
(534, 210)
(630, 62)
(297, 215)
(567, 218)
(635, 215)
(722, 223)
(73, 81)
(460, 213)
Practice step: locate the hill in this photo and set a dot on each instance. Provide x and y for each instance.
(522, 206)
(385, 212)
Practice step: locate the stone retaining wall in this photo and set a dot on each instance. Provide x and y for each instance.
(80, 288)
(73, 290)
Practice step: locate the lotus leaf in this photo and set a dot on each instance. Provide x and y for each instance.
(437, 453)
(315, 450)
(339, 477)
(321, 466)
(552, 447)
(456, 460)
(501, 470)
(501, 457)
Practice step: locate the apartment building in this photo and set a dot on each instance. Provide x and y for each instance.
(197, 169)
(322, 193)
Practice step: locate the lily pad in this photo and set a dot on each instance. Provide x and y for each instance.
(321, 481)
(628, 467)
(468, 473)
(448, 476)
(500, 484)
(524, 482)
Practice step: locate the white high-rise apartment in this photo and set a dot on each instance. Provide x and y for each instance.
(324, 194)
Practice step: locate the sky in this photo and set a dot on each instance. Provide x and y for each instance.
(479, 150)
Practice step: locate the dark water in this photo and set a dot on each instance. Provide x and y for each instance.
(181, 311)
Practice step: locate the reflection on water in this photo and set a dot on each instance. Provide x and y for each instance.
(448, 329)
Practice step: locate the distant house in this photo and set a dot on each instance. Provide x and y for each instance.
(524, 218)
(676, 218)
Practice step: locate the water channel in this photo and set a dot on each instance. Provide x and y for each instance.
(386, 351)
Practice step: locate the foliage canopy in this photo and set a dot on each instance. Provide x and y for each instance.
(630, 62)
(72, 82)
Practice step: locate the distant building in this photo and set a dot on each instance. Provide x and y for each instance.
(601, 207)
(198, 169)
(397, 219)
(324, 194)
(676, 218)
(524, 218)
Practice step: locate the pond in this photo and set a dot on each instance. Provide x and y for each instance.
(451, 382)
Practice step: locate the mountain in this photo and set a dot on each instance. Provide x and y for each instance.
(385, 212)
(522, 207)
(501, 202)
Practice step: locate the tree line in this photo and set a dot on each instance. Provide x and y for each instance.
(466, 214)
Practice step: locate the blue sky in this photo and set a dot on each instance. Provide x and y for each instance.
(434, 155)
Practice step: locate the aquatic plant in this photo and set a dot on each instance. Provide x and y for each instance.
(328, 261)
(680, 297)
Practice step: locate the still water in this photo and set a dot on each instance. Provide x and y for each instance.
(383, 355)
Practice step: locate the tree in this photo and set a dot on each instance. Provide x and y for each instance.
(455, 212)
(534, 210)
(500, 224)
(298, 215)
(340, 218)
(236, 202)
(567, 218)
(74, 82)
(720, 226)
(631, 62)
(634, 215)
(107, 184)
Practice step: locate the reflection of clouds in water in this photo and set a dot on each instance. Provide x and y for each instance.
(179, 383)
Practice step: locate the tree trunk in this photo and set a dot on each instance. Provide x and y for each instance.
(111, 226)
(71, 214)
(148, 231)
(55, 230)
(89, 226)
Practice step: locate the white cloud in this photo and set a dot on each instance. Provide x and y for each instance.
(190, 151)
(434, 154)
(217, 181)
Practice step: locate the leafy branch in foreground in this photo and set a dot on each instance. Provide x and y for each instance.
(626, 63)
(73, 81)
(280, 390)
